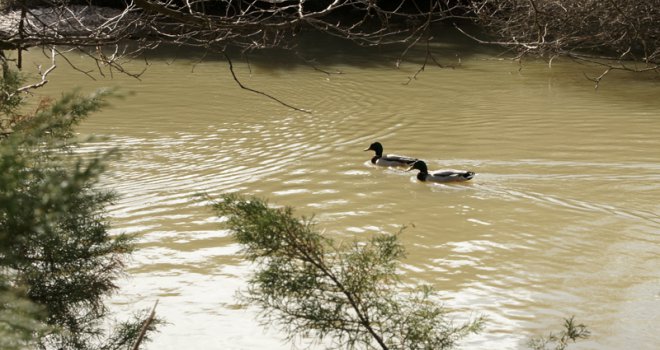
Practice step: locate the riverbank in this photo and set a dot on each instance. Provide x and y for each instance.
(64, 26)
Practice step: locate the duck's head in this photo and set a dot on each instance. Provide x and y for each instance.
(376, 147)
(419, 165)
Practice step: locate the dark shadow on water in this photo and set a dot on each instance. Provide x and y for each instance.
(322, 50)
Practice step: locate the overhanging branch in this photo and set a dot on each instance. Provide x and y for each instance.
(44, 75)
(233, 74)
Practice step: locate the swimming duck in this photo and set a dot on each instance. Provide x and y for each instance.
(448, 175)
(389, 159)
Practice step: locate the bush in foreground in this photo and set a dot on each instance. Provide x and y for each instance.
(57, 259)
(350, 294)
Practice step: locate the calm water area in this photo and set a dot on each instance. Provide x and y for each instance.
(562, 218)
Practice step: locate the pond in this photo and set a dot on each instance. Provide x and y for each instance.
(562, 218)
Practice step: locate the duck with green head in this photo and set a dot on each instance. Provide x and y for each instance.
(448, 175)
(389, 159)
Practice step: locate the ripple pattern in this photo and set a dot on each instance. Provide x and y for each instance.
(562, 218)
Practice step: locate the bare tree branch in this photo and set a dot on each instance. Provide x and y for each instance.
(312, 64)
(429, 55)
(233, 74)
(579, 29)
(44, 76)
(145, 327)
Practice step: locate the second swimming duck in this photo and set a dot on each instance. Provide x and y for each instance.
(449, 175)
(389, 159)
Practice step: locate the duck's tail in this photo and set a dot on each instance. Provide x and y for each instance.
(468, 175)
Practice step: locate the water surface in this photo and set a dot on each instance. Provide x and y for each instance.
(562, 219)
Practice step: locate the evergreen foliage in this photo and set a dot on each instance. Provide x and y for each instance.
(57, 259)
(9, 83)
(20, 319)
(571, 333)
(350, 294)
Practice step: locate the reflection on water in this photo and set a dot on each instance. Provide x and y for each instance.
(562, 218)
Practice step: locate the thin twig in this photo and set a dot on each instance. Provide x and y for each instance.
(200, 60)
(429, 55)
(311, 64)
(75, 67)
(44, 76)
(145, 326)
(421, 69)
(233, 74)
(598, 78)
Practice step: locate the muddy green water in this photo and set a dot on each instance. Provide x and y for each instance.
(562, 219)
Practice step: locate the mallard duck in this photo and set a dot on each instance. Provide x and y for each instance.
(389, 159)
(448, 175)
